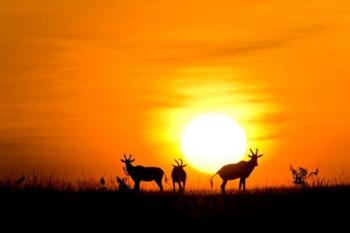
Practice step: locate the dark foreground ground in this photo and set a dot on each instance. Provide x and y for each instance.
(316, 207)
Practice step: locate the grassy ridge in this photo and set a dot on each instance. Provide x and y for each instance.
(51, 200)
(290, 204)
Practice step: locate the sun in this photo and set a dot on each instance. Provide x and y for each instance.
(213, 140)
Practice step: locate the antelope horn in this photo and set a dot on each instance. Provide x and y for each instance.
(256, 151)
(177, 162)
(129, 157)
(125, 156)
(181, 162)
(251, 151)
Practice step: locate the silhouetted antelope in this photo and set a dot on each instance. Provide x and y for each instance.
(239, 170)
(140, 173)
(178, 175)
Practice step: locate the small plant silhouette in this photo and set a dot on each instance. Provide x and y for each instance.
(122, 184)
(102, 181)
(301, 175)
(102, 185)
(314, 173)
(20, 181)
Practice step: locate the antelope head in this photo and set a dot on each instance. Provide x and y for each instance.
(181, 164)
(128, 160)
(254, 156)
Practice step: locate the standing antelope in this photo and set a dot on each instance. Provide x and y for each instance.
(140, 173)
(178, 175)
(239, 170)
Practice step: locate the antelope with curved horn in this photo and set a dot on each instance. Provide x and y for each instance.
(178, 175)
(239, 170)
(141, 173)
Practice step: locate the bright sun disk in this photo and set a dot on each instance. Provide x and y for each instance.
(213, 140)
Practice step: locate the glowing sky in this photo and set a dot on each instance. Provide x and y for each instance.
(82, 82)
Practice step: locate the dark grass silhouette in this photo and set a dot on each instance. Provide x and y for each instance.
(52, 200)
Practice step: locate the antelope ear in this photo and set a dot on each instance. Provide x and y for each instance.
(184, 165)
(249, 156)
(260, 155)
(132, 160)
(122, 160)
(173, 165)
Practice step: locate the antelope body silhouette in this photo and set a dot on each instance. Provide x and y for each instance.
(141, 173)
(178, 175)
(240, 170)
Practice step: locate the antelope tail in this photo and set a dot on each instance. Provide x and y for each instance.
(165, 179)
(211, 181)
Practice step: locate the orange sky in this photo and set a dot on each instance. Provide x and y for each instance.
(82, 82)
